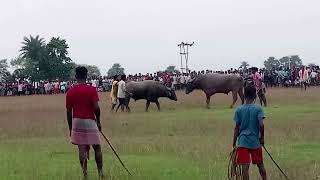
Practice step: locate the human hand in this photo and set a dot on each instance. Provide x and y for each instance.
(234, 144)
(99, 126)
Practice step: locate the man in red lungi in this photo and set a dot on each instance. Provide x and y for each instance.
(83, 114)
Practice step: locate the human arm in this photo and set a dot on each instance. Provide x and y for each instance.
(261, 127)
(69, 112)
(97, 114)
(69, 119)
(261, 118)
(235, 134)
(236, 130)
(95, 101)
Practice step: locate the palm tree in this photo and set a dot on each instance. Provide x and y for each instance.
(35, 53)
(33, 48)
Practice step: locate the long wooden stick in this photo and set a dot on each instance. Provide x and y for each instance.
(114, 151)
(275, 163)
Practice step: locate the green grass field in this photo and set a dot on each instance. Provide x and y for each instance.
(184, 141)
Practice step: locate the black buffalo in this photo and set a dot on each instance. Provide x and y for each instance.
(148, 90)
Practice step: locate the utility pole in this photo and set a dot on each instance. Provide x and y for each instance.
(184, 56)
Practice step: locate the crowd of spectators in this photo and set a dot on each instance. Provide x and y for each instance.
(272, 78)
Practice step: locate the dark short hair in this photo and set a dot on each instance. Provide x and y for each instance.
(81, 72)
(123, 77)
(115, 76)
(250, 92)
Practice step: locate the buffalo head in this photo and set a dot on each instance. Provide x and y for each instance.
(190, 86)
(172, 94)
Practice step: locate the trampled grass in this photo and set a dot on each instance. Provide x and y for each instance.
(184, 141)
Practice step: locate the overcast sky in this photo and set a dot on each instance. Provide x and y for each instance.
(142, 35)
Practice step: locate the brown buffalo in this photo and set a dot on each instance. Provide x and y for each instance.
(211, 84)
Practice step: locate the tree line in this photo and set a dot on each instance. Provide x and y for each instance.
(39, 60)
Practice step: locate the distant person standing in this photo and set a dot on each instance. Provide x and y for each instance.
(62, 87)
(47, 87)
(114, 92)
(10, 89)
(56, 87)
(175, 82)
(303, 78)
(314, 76)
(94, 83)
(20, 88)
(122, 93)
(83, 114)
(182, 81)
(257, 79)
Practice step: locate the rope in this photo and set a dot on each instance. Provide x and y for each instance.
(234, 170)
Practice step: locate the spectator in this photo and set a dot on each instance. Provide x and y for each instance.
(56, 87)
(121, 93)
(20, 89)
(47, 88)
(314, 76)
(114, 92)
(303, 77)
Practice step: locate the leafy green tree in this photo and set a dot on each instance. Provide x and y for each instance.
(18, 62)
(116, 69)
(59, 61)
(295, 61)
(72, 71)
(272, 63)
(93, 71)
(244, 65)
(285, 62)
(171, 69)
(40, 61)
(4, 73)
(291, 61)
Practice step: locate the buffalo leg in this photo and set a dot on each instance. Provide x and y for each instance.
(158, 104)
(147, 105)
(208, 101)
(241, 95)
(127, 105)
(234, 97)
